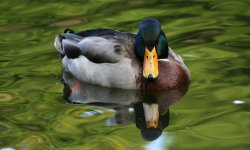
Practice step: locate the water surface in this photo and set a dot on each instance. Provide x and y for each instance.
(212, 37)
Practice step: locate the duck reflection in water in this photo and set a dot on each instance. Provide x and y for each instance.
(148, 110)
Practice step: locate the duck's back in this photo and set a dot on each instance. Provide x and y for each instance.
(99, 32)
(106, 57)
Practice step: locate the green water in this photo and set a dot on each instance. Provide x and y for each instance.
(213, 37)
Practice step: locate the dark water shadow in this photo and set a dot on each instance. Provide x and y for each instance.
(148, 110)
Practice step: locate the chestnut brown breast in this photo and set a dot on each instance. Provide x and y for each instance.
(171, 75)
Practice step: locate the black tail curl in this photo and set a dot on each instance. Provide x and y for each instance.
(68, 31)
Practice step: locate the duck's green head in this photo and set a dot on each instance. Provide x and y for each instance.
(150, 45)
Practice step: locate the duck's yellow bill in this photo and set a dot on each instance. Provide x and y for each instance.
(151, 113)
(150, 64)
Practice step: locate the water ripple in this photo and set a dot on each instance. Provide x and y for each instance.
(212, 37)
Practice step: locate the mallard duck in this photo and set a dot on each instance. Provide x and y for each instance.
(123, 60)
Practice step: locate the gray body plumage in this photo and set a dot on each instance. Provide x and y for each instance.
(104, 60)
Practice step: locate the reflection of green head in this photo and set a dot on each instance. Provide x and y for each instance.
(150, 134)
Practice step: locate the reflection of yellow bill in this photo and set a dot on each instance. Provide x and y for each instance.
(150, 64)
(151, 113)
